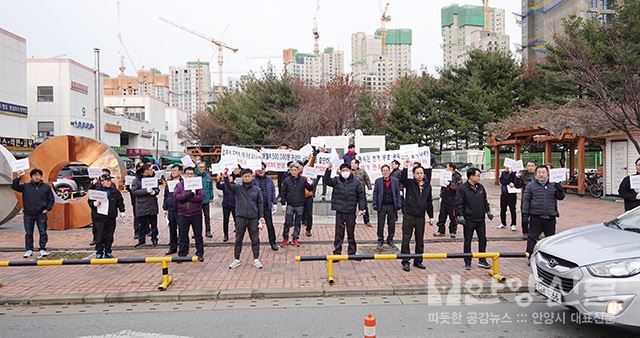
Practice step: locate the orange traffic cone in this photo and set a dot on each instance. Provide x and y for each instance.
(370, 327)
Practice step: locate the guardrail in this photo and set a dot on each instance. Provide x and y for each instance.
(166, 279)
(494, 271)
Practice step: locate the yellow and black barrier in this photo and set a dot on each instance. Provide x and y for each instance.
(166, 279)
(494, 271)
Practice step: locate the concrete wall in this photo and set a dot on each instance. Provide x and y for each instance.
(13, 83)
(611, 187)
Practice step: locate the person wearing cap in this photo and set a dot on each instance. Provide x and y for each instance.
(348, 199)
(136, 223)
(292, 199)
(189, 205)
(105, 225)
(94, 185)
(37, 201)
(170, 209)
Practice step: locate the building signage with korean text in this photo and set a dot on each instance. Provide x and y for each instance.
(13, 109)
(113, 128)
(79, 87)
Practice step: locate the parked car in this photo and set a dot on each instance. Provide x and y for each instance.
(594, 269)
(73, 181)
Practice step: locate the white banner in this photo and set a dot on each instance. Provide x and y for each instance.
(241, 155)
(97, 195)
(128, 180)
(318, 141)
(313, 172)
(192, 183)
(558, 175)
(253, 165)
(21, 164)
(513, 164)
(372, 162)
(149, 182)
(306, 151)
(277, 159)
(94, 172)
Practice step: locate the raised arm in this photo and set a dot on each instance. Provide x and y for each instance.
(15, 185)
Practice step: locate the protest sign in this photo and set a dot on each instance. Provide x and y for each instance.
(149, 182)
(558, 175)
(187, 162)
(277, 159)
(94, 172)
(241, 155)
(171, 185)
(192, 183)
(445, 178)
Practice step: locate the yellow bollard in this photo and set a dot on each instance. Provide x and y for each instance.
(495, 270)
(330, 270)
(166, 279)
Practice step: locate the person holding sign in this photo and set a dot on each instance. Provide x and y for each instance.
(448, 203)
(387, 202)
(189, 205)
(523, 178)
(136, 223)
(94, 185)
(207, 186)
(37, 201)
(171, 208)
(292, 199)
(540, 206)
(268, 189)
(629, 189)
(228, 202)
(105, 222)
(249, 216)
(507, 198)
(146, 204)
(348, 197)
(362, 177)
(418, 201)
(471, 207)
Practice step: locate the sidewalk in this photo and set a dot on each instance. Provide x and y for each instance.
(281, 272)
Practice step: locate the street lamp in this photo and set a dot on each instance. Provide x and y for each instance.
(157, 141)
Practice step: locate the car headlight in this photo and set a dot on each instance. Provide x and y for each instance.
(619, 268)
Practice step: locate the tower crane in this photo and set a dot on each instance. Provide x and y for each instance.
(485, 3)
(220, 45)
(316, 35)
(123, 47)
(384, 18)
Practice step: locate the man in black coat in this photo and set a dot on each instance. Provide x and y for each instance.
(348, 197)
(471, 207)
(507, 199)
(146, 206)
(37, 201)
(448, 203)
(523, 178)
(540, 206)
(387, 202)
(170, 208)
(105, 225)
(631, 196)
(292, 199)
(418, 200)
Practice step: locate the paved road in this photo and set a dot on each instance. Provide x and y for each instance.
(397, 316)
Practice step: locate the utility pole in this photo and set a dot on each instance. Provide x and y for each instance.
(96, 52)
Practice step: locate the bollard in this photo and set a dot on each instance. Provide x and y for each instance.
(370, 326)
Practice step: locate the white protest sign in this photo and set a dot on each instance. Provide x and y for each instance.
(322, 161)
(306, 151)
(94, 172)
(193, 183)
(445, 178)
(336, 161)
(409, 146)
(241, 155)
(149, 182)
(128, 180)
(513, 190)
(22, 164)
(518, 165)
(558, 175)
(509, 162)
(634, 180)
(97, 195)
(277, 159)
(217, 168)
(373, 162)
(171, 185)
(187, 162)
(103, 208)
(253, 164)
(312, 172)
(318, 141)
(229, 163)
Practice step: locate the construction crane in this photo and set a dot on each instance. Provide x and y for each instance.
(485, 3)
(316, 35)
(123, 47)
(221, 46)
(265, 57)
(384, 18)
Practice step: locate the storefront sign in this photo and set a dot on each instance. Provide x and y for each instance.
(16, 144)
(113, 128)
(135, 152)
(145, 134)
(13, 109)
(120, 150)
(82, 125)
(79, 87)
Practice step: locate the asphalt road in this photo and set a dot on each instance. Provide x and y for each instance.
(397, 316)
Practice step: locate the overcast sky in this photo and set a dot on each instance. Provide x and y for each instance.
(256, 27)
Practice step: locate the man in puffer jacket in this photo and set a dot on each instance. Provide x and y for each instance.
(540, 206)
(106, 224)
(189, 216)
(146, 206)
(348, 197)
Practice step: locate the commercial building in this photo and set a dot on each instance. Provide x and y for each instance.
(375, 69)
(463, 30)
(148, 82)
(14, 131)
(541, 19)
(312, 69)
(190, 87)
(175, 119)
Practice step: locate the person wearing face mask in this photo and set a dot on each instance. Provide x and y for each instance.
(471, 207)
(268, 190)
(348, 198)
(540, 206)
(418, 201)
(249, 216)
(105, 225)
(37, 201)
(292, 199)
(523, 178)
(631, 196)
(146, 206)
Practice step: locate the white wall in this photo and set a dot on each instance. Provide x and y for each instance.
(611, 188)
(174, 118)
(13, 83)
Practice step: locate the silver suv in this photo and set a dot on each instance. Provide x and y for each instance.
(594, 269)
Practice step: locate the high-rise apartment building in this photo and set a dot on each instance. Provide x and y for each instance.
(148, 82)
(190, 87)
(375, 70)
(314, 70)
(463, 31)
(541, 19)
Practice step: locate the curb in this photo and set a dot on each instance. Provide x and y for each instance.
(264, 293)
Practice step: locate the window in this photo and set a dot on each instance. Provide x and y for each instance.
(45, 94)
(45, 129)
